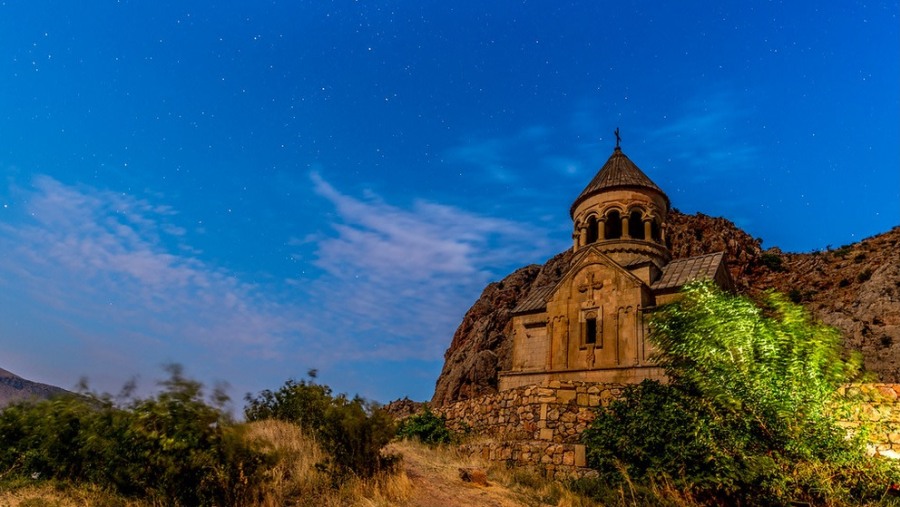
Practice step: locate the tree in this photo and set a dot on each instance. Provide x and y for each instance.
(749, 404)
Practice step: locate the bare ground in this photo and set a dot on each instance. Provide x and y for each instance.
(436, 481)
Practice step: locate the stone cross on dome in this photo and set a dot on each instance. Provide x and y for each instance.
(618, 138)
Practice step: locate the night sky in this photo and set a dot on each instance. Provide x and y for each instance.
(255, 189)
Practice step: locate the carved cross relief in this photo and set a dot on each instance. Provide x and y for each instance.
(590, 285)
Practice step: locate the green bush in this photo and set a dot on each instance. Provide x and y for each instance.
(352, 429)
(746, 417)
(426, 427)
(772, 261)
(173, 448)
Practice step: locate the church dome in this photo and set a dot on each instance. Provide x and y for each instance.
(618, 172)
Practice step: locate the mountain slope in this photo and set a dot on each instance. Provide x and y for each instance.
(14, 388)
(854, 288)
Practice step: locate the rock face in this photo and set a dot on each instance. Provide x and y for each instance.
(854, 288)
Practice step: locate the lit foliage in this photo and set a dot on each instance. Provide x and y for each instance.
(747, 416)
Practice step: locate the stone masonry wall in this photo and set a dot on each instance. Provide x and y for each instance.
(533, 426)
(878, 407)
(539, 426)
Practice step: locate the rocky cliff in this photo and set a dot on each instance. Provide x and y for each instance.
(855, 288)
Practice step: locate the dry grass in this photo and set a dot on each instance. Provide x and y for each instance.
(294, 479)
(294, 474)
(64, 495)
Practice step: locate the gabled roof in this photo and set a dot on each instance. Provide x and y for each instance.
(618, 172)
(682, 271)
(536, 300)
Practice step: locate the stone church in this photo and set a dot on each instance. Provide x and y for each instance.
(590, 326)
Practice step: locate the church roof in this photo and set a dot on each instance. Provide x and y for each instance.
(536, 300)
(682, 271)
(619, 171)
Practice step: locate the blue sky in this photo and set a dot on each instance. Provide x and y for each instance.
(254, 189)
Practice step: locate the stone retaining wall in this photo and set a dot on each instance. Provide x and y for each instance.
(879, 407)
(539, 426)
(534, 426)
(556, 411)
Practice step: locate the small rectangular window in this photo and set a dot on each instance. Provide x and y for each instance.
(590, 331)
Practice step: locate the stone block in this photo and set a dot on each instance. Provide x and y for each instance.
(546, 434)
(580, 456)
(582, 400)
(566, 396)
(568, 458)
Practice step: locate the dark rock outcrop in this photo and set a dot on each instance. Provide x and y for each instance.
(855, 288)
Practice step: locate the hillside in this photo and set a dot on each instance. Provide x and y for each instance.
(14, 388)
(855, 288)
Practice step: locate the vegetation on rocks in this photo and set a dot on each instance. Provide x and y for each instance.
(748, 416)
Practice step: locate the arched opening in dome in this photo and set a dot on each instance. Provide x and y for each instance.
(613, 225)
(636, 225)
(593, 230)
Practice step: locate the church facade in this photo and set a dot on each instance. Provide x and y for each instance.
(591, 325)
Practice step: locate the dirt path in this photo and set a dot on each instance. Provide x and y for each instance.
(436, 482)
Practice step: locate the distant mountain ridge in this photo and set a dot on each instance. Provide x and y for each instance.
(14, 388)
(855, 288)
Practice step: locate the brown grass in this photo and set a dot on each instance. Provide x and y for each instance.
(47, 494)
(294, 479)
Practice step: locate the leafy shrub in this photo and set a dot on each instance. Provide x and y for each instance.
(174, 448)
(772, 261)
(426, 427)
(352, 429)
(747, 415)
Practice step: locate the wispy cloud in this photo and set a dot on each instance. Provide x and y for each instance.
(106, 266)
(405, 276)
(125, 290)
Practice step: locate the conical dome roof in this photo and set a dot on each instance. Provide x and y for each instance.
(618, 172)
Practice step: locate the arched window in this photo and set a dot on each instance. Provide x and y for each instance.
(592, 230)
(636, 225)
(613, 225)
